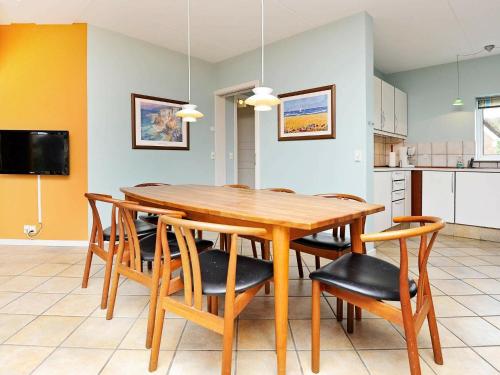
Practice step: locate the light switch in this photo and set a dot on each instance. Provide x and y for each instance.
(212, 155)
(231, 156)
(357, 155)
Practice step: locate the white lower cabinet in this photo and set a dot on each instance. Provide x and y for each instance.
(478, 199)
(438, 195)
(382, 194)
(408, 193)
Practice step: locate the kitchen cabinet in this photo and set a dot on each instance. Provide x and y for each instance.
(438, 195)
(387, 107)
(382, 194)
(377, 103)
(400, 112)
(478, 199)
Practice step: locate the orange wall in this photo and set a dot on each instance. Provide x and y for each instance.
(43, 85)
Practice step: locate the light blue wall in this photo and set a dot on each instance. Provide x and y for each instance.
(431, 117)
(118, 66)
(340, 53)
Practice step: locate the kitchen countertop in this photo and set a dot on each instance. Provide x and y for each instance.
(484, 170)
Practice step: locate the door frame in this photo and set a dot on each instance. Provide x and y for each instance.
(220, 134)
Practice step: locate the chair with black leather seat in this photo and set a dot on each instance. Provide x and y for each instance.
(110, 234)
(150, 218)
(367, 282)
(213, 273)
(134, 250)
(329, 246)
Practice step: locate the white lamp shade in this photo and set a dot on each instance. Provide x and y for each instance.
(188, 113)
(262, 100)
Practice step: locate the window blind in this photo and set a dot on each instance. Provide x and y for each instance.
(488, 102)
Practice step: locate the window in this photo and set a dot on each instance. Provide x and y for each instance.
(488, 128)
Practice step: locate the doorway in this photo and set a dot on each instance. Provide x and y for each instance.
(232, 151)
(244, 145)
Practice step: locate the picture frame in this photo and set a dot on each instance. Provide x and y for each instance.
(307, 114)
(155, 126)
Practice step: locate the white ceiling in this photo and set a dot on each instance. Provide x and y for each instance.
(409, 34)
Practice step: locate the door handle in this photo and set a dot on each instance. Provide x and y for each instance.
(453, 183)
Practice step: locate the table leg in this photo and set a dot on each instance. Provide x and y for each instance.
(281, 249)
(356, 228)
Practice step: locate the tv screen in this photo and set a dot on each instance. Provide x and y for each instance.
(34, 152)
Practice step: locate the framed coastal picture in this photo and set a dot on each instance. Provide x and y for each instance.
(307, 114)
(155, 126)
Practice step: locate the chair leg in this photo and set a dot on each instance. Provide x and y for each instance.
(227, 353)
(112, 296)
(158, 330)
(222, 238)
(150, 266)
(317, 262)
(299, 264)
(431, 320)
(411, 336)
(350, 318)
(107, 278)
(254, 249)
(86, 272)
(264, 246)
(315, 326)
(359, 313)
(340, 309)
(214, 305)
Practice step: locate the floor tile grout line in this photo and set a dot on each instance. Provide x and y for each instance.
(176, 348)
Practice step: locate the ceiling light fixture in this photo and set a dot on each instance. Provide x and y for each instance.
(458, 101)
(263, 99)
(188, 113)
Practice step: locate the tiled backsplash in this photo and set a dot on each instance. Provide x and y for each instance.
(443, 154)
(430, 154)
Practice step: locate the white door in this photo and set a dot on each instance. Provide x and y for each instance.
(377, 103)
(438, 195)
(478, 199)
(246, 146)
(400, 112)
(387, 107)
(382, 194)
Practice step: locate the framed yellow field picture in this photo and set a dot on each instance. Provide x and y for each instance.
(307, 114)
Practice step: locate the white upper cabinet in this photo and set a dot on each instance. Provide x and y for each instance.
(438, 195)
(400, 112)
(377, 103)
(478, 199)
(387, 107)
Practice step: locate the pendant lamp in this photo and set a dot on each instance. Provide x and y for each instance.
(458, 101)
(188, 113)
(262, 99)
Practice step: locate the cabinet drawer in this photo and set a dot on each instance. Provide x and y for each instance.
(398, 185)
(397, 195)
(398, 208)
(399, 175)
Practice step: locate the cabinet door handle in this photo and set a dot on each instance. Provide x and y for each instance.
(453, 183)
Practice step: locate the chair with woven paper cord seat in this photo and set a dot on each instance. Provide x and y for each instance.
(99, 235)
(133, 251)
(213, 273)
(367, 282)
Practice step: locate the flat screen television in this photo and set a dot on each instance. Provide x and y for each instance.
(34, 152)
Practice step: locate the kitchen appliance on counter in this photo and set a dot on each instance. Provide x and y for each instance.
(404, 153)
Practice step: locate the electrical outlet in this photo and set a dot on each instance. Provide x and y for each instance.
(27, 229)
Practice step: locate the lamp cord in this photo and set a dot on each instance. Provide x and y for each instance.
(189, 49)
(262, 40)
(458, 80)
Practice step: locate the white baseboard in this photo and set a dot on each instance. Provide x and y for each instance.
(28, 242)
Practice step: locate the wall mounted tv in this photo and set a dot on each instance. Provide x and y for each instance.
(34, 152)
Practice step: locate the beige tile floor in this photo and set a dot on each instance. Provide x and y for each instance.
(49, 325)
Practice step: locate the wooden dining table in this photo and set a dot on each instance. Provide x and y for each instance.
(284, 216)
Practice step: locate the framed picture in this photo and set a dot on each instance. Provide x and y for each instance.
(155, 126)
(307, 114)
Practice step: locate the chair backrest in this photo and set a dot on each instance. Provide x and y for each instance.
(146, 184)
(339, 232)
(429, 225)
(127, 229)
(281, 190)
(237, 186)
(97, 234)
(189, 254)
